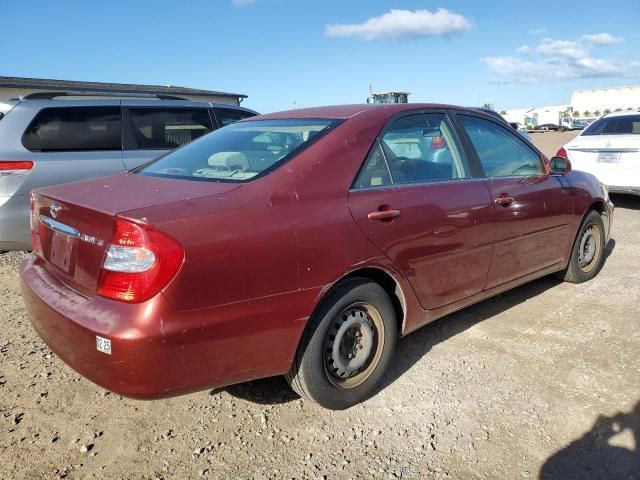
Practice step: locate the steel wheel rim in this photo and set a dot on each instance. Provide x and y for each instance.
(350, 359)
(589, 248)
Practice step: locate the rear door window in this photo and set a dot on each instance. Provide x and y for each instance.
(152, 128)
(227, 116)
(617, 125)
(75, 129)
(414, 149)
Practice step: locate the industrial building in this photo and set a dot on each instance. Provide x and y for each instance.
(584, 104)
(15, 87)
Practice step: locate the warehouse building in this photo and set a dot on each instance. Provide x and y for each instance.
(588, 103)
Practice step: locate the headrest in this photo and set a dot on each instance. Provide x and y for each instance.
(229, 160)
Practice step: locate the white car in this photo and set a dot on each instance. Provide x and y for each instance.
(609, 148)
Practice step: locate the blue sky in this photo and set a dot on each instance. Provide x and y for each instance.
(509, 53)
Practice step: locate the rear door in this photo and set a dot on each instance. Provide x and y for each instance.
(532, 210)
(152, 130)
(417, 201)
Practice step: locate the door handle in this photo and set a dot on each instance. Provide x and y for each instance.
(504, 200)
(383, 215)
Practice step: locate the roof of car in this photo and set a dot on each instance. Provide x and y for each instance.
(623, 113)
(347, 111)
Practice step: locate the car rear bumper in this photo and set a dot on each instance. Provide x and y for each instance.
(14, 223)
(157, 351)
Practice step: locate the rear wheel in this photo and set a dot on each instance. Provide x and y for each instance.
(587, 256)
(347, 346)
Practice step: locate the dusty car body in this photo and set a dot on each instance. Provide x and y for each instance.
(257, 262)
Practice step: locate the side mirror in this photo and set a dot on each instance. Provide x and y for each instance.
(559, 165)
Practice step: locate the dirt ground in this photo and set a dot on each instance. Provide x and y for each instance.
(540, 382)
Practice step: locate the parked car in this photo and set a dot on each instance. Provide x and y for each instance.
(47, 139)
(579, 125)
(609, 148)
(300, 243)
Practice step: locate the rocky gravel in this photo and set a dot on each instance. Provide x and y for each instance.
(542, 381)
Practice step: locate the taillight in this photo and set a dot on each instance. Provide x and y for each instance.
(15, 167)
(35, 225)
(139, 263)
(562, 153)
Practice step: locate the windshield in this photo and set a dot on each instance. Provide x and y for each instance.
(241, 151)
(622, 125)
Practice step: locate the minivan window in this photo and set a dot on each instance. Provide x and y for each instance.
(617, 125)
(155, 128)
(74, 129)
(240, 151)
(227, 116)
(502, 152)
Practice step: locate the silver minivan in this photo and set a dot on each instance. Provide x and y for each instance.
(48, 139)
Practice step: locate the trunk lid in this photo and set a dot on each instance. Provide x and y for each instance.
(73, 223)
(613, 159)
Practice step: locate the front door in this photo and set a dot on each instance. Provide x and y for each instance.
(416, 201)
(532, 210)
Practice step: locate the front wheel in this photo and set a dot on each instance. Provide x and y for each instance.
(587, 255)
(346, 347)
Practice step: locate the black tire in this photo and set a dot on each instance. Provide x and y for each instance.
(365, 306)
(578, 270)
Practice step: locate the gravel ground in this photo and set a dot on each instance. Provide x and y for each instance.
(542, 381)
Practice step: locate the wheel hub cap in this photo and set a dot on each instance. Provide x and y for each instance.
(587, 248)
(350, 343)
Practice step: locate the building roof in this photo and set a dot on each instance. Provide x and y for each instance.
(100, 87)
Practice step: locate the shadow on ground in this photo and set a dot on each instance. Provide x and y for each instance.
(598, 454)
(631, 202)
(412, 348)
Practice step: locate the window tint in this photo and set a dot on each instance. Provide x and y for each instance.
(375, 172)
(502, 153)
(227, 115)
(167, 128)
(619, 125)
(422, 148)
(75, 128)
(240, 151)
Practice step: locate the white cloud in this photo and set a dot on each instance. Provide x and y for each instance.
(242, 3)
(403, 24)
(557, 60)
(551, 70)
(602, 39)
(561, 48)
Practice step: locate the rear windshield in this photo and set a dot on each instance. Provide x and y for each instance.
(239, 152)
(623, 125)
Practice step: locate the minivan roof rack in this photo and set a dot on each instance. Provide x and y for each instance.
(51, 95)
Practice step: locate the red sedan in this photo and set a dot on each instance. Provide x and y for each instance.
(301, 243)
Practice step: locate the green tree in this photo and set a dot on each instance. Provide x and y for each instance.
(597, 113)
(618, 109)
(576, 114)
(587, 113)
(488, 105)
(606, 111)
(503, 112)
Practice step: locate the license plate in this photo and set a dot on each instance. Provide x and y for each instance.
(609, 157)
(103, 345)
(61, 250)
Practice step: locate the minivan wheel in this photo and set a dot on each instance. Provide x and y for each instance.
(587, 254)
(346, 347)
